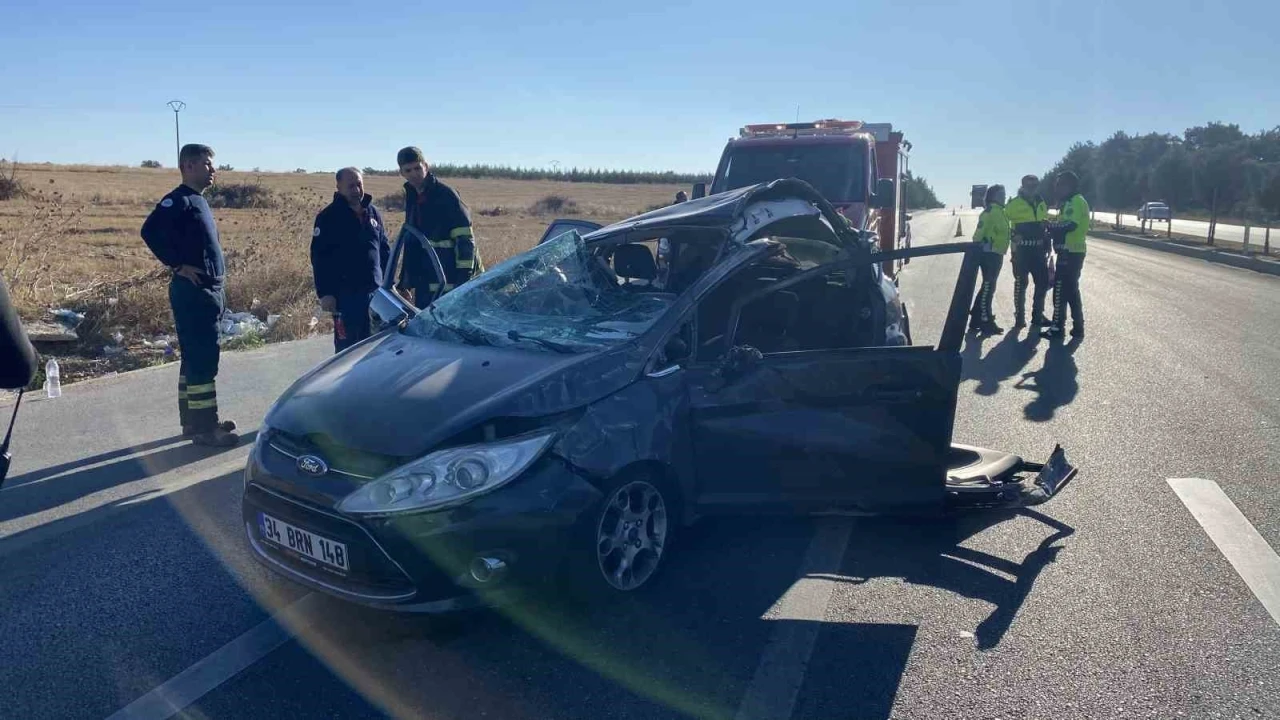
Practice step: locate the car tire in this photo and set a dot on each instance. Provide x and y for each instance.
(624, 541)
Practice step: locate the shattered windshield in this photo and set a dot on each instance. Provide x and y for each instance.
(836, 171)
(561, 296)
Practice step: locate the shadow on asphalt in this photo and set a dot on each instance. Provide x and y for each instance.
(687, 646)
(933, 555)
(1055, 383)
(44, 489)
(1002, 362)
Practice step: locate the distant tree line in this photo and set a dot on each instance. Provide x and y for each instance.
(620, 177)
(1214, 169)
(918, 193)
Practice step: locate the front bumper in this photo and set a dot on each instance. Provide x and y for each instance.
(423, 562)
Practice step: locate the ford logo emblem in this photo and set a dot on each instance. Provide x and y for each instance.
(312, 465)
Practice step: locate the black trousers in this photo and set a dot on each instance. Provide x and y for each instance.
(990, 264)
(1066, 290)
(1030, 261)
(351, 322)
(196, 312)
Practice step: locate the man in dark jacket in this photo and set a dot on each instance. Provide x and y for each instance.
(349, 250)
(182, 234)
(435, 210)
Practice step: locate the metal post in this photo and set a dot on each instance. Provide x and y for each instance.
(1266, 241)
(176, 106)
(1246, 234)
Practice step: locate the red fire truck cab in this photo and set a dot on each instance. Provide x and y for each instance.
(858, 167)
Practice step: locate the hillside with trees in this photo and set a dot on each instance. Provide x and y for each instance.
(1214, 170)
(918, 193)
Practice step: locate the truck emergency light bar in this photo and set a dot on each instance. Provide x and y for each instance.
(819, 127)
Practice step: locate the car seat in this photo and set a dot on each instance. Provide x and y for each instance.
(634, 262)
(766, 323)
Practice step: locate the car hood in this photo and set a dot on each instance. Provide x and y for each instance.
(398, 395)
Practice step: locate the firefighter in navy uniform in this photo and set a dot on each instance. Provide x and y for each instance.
(182, 234)
(435, 210)
(349, 250)
(1027, 212)
(1069, 243)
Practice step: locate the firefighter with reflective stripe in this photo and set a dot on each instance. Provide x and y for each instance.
(438, 213)
(349, 250)
(182, 234)
(1068, 233)
(993, 234)
(1027, 213)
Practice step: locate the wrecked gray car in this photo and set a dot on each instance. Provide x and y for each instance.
(566, 413)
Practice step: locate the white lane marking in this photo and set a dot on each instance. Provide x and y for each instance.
(1247, 551)
(220, 666)
(776, 684)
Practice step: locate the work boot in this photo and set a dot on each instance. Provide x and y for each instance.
(992, 328)
(1077, 331)
(216, 438)
(225, 426)
(1040, 321)
(1020, 322)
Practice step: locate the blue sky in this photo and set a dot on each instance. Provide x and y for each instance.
(985, 91)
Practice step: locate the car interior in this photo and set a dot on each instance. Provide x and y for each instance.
(827, 312)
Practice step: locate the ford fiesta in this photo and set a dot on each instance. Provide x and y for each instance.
(566, 413)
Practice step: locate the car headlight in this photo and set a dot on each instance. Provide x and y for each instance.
(447, 477)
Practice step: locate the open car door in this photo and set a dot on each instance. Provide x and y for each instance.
(860, 429)
(560, 226)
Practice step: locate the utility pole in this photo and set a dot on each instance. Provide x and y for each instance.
(176, 106)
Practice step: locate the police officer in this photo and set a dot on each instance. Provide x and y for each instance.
(1027, 212)
(349, 250)
(1069, 243)
(993, 233)
(438, 213)
(182, 234)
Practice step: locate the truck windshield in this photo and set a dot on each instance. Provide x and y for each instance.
(561, 296)
(836, 171)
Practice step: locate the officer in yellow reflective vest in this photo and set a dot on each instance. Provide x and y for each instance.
(1069, 242)
(993, 234)
(1027, 212)
(435, 210)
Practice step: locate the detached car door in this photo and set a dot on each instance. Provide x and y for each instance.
(827, 428)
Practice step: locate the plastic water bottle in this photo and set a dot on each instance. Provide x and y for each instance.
(52, 381)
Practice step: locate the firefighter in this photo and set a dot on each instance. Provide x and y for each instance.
(681, 196)
(349, 249)
(1027, 212)
(182, 234)
(993, 233)
(1069, 243)
(437, 212)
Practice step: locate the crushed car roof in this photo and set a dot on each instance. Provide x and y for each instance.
(723, 209)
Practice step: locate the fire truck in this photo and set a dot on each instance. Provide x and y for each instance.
(858, 167)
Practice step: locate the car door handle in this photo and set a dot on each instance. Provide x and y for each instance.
(894, 395)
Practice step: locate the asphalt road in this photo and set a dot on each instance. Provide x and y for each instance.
(122, 568)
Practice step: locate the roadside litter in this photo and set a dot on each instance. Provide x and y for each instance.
(234, 325)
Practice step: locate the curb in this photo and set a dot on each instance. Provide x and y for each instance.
(1270, 267)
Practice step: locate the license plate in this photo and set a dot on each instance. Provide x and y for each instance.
(305, 543)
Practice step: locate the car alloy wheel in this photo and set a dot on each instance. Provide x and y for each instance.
(631, 534)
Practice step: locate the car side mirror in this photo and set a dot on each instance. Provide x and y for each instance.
(699, 190)
(740, 360)
(884, 193)
(390, 309)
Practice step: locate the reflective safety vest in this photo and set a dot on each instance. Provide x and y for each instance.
(993, 229)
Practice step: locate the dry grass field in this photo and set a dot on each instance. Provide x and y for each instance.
(72, 242)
